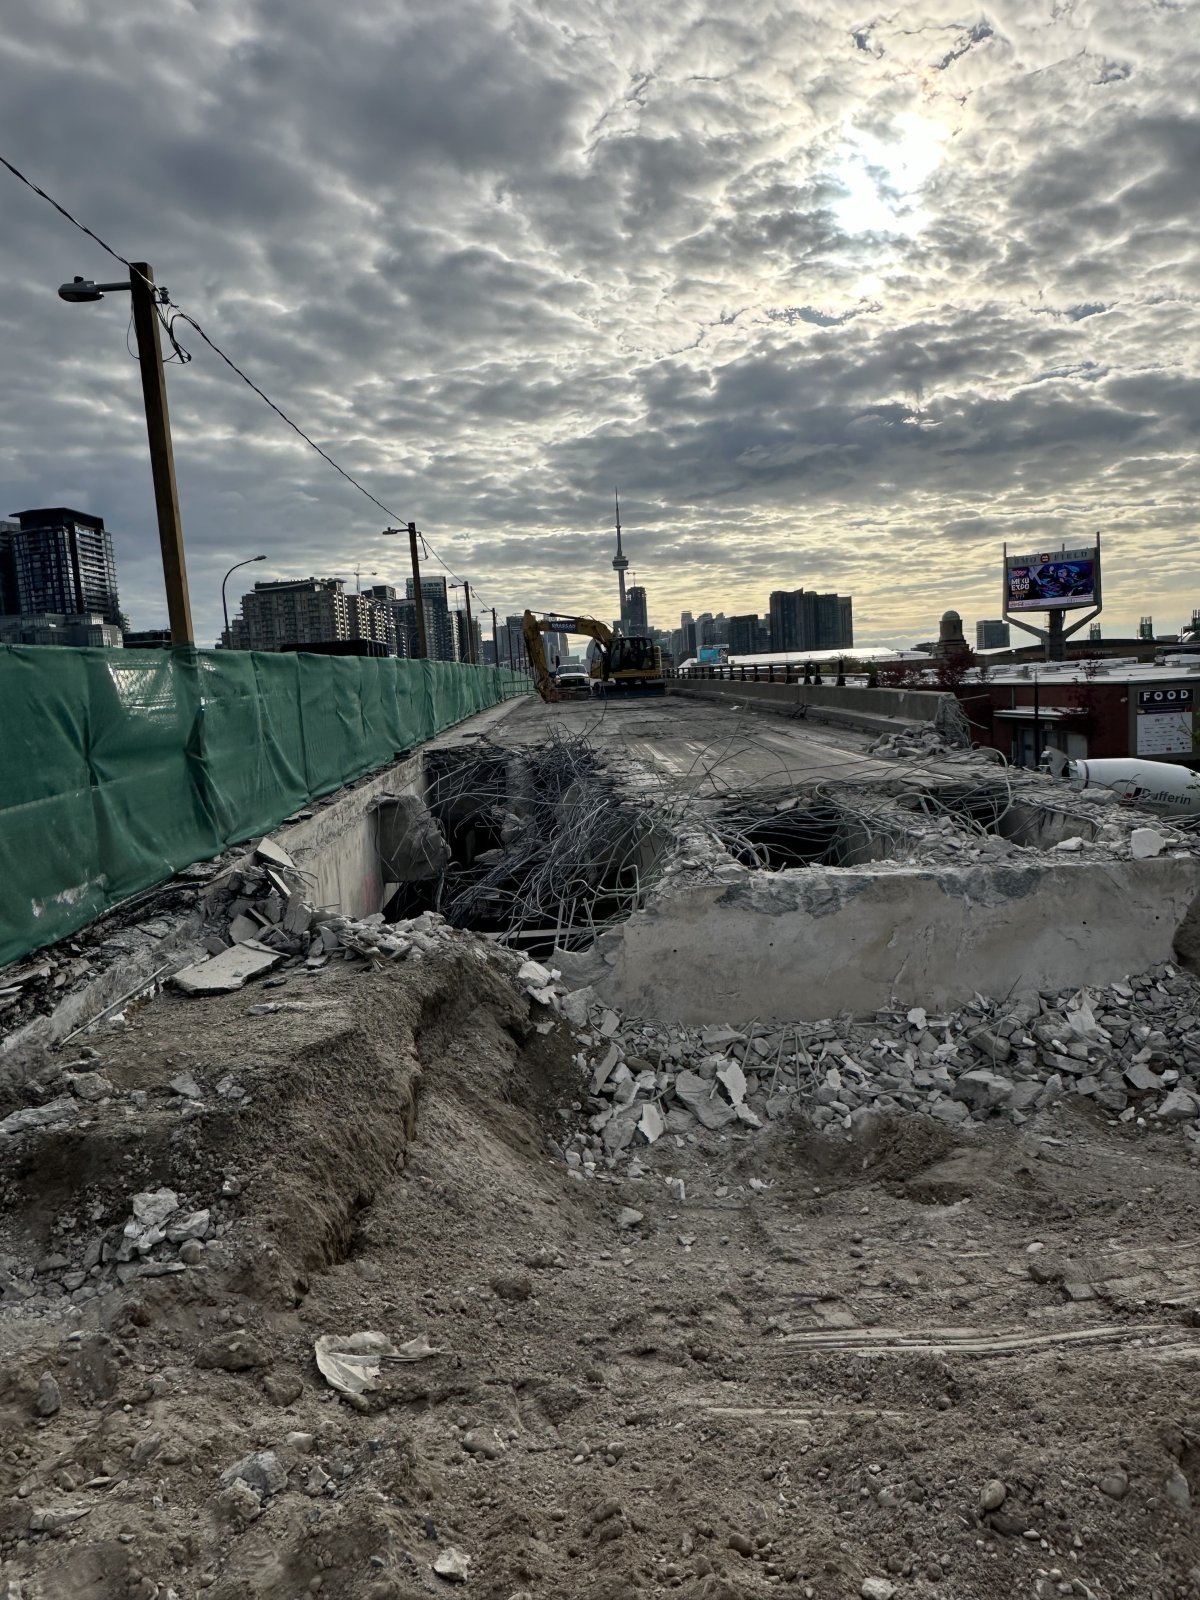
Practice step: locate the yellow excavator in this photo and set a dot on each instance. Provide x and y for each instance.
(621, 662)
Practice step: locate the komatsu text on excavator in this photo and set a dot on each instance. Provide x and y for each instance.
(621, 662)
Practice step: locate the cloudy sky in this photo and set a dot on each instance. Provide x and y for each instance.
(840, 298)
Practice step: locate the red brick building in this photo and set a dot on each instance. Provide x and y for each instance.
(1094, 708)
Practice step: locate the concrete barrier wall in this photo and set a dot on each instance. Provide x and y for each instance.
(872, 709)
(810, 943)
(337, 846)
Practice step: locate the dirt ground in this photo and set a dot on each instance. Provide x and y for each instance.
(797, 1379)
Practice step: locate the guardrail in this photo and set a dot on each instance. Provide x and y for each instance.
(784, 672)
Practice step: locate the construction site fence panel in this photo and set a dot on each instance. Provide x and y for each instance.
(120, 767)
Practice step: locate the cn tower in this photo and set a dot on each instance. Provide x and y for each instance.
(620, 560)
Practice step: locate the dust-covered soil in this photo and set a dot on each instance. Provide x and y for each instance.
(921, 1363)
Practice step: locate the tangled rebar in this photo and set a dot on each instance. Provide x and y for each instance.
(564, 855)
(549, 849)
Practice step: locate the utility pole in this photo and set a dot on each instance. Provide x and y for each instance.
(422, 641)
(470, 626)
(495, 638)
(162, 460)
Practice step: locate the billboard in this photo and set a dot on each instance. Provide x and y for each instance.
(1052, 582)
(1164, 722)
(712, 654)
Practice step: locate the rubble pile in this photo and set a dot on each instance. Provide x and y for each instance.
(259, 918)
(923, 743)
(161, 1238)
(1132, 1050)
(138, 934)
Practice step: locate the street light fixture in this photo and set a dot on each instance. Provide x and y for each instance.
(81, 289)
(249, 561)
(146, 299)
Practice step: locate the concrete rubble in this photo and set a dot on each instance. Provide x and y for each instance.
(1132, 1050)
(257, 917)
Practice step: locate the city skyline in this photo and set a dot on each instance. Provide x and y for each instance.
(440, 620)
(833, 303)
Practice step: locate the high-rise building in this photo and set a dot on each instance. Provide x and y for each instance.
(58, 561)
(992, 635)
(802, 619)
(291, 613)
(9, 605)
(512, 642)
(555, 644)
(712, 630)
(404, 617)
(439, 629)
(787, 625)
(461, 642)
(743, 635)
(634, 613)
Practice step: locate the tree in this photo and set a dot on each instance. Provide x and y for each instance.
(951, 670)
(901, 674)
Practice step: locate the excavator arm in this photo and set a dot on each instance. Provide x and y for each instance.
(542, 681)
(533, 627)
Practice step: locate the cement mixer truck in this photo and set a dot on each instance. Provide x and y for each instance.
(1161, 786)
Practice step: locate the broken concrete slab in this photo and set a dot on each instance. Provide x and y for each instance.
(651, 1126)
(1146, 842)
(229, 971)
(733, 1080)
(268, 850)
(243, 927)
(696, 1093)
(1179, 1106)
(983, 1091)
(64, 1109)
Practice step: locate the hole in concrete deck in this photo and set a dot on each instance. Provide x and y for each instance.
(793, 835)
(804, 832)
(988, 808)
(543, 853)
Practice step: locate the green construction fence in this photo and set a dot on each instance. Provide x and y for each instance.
(120, 767)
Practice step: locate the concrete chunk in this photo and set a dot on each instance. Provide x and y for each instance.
(982, 1091)
(268, 850)
(229, 971)
(1139, 1076)
(64, 1109)
(1179, 1106)
(1146, 842)
(651, 1125)
(696, 1093)
(733, 1080)
(717, 1038)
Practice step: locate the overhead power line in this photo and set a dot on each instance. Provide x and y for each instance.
(179, 315)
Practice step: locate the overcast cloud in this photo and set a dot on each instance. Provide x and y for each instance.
(839, 298)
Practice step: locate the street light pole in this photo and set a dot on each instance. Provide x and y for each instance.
(145, 298)
(249, 561)
(162, 459)
(418, 597)
(470, 626)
